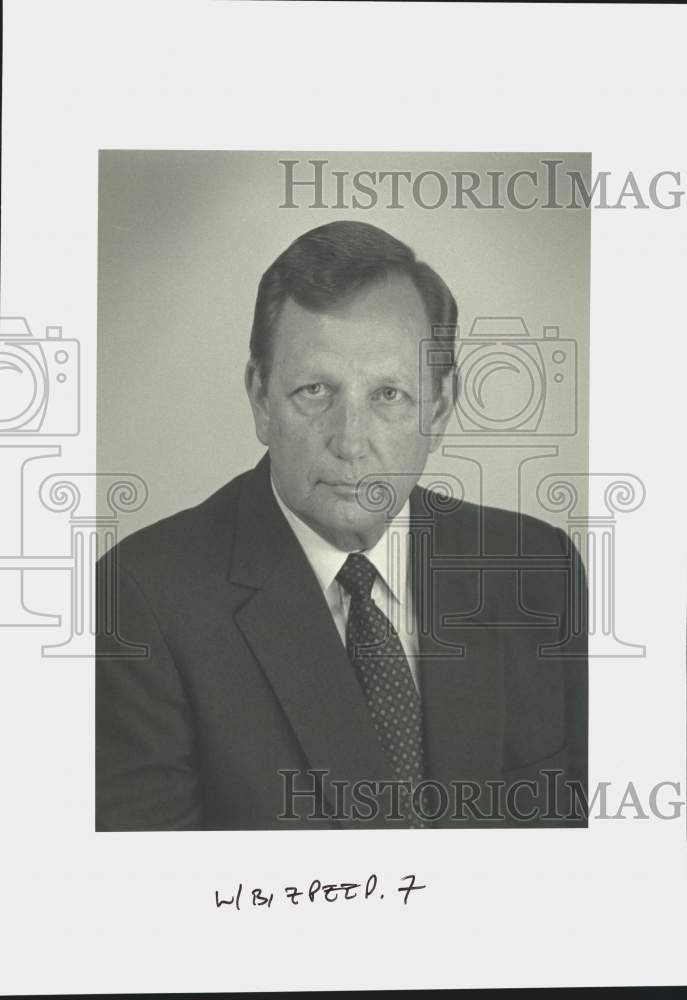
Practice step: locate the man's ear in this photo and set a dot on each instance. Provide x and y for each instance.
(443, 407)
(257, 394)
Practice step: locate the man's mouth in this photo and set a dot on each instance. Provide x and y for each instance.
(341, 487)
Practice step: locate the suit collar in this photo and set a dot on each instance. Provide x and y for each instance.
(389, 555)
(287, 624)
(266, 537)
(263, 538)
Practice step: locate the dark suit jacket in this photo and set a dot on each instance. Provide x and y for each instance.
(246, 676)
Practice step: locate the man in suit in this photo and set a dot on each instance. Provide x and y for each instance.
(328, 645)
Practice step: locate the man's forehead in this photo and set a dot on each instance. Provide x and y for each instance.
(368, 364)
(392, 303)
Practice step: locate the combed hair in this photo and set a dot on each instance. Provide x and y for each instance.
(324, 266)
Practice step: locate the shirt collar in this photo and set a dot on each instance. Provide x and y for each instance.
(389, 555)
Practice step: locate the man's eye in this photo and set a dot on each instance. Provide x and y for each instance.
(314, 390)
(389, 394)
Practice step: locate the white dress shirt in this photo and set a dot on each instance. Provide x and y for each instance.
(391, 591)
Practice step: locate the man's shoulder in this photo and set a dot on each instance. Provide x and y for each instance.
(487, 528)
(198, 536)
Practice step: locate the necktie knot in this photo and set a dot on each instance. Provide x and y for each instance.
(357, 576)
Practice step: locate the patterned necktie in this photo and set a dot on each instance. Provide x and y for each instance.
(377, 655)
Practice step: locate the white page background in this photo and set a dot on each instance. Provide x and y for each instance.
(82, 912)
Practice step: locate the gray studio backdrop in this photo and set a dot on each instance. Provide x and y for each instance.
(184, 237)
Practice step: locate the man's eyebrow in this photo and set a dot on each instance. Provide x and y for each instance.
(393, 377)
(319, 368)
(316, 374)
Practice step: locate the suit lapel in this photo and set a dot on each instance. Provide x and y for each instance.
(288, 625)
(461, 668)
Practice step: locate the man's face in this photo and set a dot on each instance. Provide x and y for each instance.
(342, 404)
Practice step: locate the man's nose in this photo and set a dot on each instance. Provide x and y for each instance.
(349, 430)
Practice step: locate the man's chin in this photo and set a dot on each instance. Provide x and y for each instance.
(348, 525)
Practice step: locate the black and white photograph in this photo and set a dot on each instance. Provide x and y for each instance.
(340, 635)
(342, 555)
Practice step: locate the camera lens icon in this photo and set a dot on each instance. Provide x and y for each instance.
(501, 389)
(39, 380)
(22, 384)
(511, 383)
